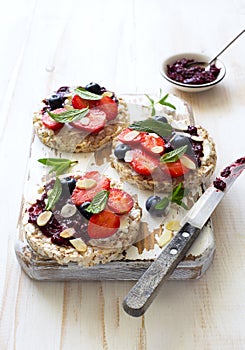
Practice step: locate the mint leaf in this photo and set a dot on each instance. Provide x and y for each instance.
(151, 125)
(69, 116)
(54, 195)
(85, 94)
(163, 99)
(99, 202)
(163, 102)
(174, 155)
(164, 202)
(59, 165)
(178, 194)
(150, 99)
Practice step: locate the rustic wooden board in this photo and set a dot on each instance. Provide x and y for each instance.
(137, 258)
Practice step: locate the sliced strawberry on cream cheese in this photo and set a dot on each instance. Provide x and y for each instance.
(50, 123)
(143, 163)
(93, 122)
(88, 186)
(130, 136)
(152, 143)
(109, 106)
(175, 169)
(103, 225)
(119, 201)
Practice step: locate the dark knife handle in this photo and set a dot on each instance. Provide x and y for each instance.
(144, 291)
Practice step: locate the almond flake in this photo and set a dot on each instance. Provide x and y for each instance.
(44, 217)
(108, 93)
(67, 233)
(68, 210)
(154, 135)
(157, 149)
(188, 163)
(165, 238)
(173, 225)
(128, 156)
(197, 138)
(179, 125)
(85, 121)
(68, 107)
(79, 244)
(85, 184)
(131, 135)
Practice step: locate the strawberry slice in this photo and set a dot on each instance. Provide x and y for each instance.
(143, 163)
(78, 102)
(80, 196)
(50, 123)
(103, 225)
(92, 122)
(153, 144)
(119, 201)
(130, 136)
(175, 169)
(109, 106)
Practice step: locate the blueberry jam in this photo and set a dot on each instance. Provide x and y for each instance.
(57, 222)
(226, 172)
(181, 72)
(240, 160)
(219, 184)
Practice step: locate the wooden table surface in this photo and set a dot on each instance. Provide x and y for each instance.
(120, 44)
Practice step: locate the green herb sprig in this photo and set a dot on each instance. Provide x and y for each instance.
(54, 195)
(162, 101)
(85, 94)
(99, 202)
(174, 155)
(151, 125)
(58, 165)
(69, 116)
(176, 196)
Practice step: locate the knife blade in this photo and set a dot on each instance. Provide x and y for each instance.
(145, 290)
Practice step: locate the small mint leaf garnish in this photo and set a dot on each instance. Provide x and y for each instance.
(178, 194)
(69, 116)
(85, 94)
(54, 195)
(164, 202)
(99, 202)
(152, 125)
(58, 165)
(162, 101)
(174, 155)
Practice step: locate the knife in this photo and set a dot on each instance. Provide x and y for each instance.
(145, 290)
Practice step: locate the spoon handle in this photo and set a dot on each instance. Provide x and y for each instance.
(213, 59)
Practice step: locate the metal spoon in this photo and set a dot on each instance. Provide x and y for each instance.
(207, 64)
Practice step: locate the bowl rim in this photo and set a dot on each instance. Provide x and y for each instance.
(193, 86)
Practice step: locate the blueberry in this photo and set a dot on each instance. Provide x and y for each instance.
(167, 147)
(55, 101)
(121, 150)
(94, 88)
(82, 209)
(161, 118)
(68, 183)
(150, 205)
(180, 141)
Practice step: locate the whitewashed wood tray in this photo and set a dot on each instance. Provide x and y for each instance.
(136, 260)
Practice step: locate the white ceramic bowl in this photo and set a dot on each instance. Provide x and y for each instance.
(192, 87)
